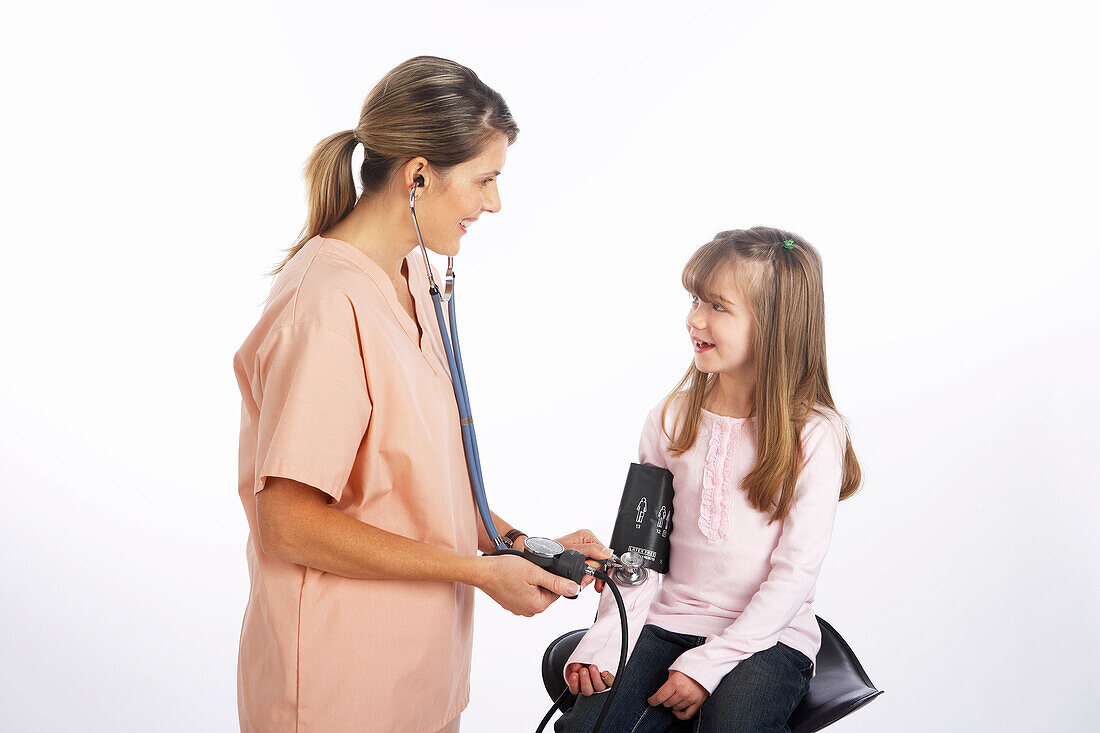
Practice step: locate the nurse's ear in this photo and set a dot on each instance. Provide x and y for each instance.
(416, 174)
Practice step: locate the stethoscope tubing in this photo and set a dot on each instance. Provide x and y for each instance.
(458, 380)
(449, 336)
(469, 435)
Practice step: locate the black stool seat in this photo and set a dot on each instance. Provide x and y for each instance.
(839, 686)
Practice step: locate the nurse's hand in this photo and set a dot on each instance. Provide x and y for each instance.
(584, 541)
(520, 586)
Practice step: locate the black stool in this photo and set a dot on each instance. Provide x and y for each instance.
(838, 687)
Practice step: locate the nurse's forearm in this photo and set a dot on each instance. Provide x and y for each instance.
(484, 543)
(296, 524)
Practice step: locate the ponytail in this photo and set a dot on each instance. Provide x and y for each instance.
(426, 107)
(331, 187)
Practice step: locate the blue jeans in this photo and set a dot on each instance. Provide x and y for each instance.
(758, 695)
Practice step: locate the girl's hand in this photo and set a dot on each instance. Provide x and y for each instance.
(585, 542)
(681, 693)
(587, 680)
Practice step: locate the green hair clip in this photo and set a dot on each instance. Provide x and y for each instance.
(788, 243)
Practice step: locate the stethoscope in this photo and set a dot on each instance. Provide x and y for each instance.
(544, 552)
(458, 375)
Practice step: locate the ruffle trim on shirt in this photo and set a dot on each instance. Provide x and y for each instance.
(715, 501)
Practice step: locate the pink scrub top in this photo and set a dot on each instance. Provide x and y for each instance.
(340, 392)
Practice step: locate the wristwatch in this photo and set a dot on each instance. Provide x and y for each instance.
(512, 536)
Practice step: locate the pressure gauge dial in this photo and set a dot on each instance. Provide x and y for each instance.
(552, 557)
(542, 547)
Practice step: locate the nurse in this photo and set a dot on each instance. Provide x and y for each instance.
(363, 533)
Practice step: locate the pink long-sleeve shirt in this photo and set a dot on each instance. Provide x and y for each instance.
(733, 578)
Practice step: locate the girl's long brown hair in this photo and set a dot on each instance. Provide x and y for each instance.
(427, 106)
(783, 288)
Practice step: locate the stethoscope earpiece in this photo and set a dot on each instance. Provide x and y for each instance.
(450, 280)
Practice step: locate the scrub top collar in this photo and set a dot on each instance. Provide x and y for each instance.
(427, 337)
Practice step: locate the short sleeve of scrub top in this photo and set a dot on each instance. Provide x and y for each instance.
(316, 407)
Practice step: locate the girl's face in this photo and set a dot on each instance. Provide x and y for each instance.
(462, 195)
(721, 331)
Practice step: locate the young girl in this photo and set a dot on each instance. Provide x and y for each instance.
(760, 458)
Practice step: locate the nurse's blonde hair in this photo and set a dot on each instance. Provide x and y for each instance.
(779, 275)
(426, 107)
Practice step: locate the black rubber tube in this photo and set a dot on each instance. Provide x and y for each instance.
(550, 712)
(600, 575)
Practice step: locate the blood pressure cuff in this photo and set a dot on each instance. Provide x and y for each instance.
(644, 522)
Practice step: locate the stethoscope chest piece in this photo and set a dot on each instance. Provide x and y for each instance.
(628, 570)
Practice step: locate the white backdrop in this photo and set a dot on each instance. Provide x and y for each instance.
(942, 156)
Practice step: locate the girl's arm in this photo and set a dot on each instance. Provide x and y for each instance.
(601, 644)
(796, 562)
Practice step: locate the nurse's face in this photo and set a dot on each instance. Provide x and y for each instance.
(454, 201)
